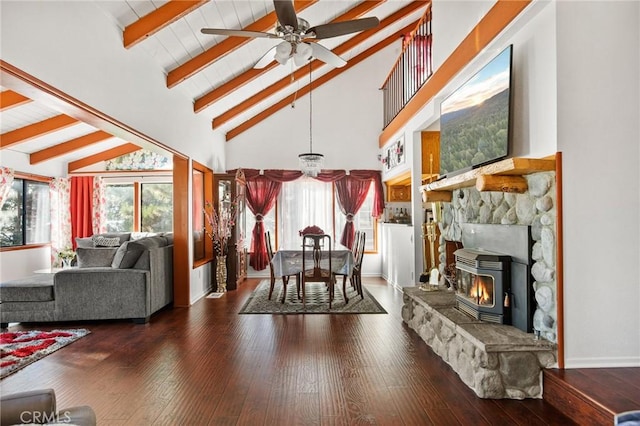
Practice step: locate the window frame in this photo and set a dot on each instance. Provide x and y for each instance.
(137, 182)
(25, 177)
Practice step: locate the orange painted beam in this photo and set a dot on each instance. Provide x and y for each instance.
(248, 76)
(157, 20)
(68, 146)
(228, 45)
(109, 154)
(496, 20)
(319, 82)
(11, 99)
(35, 130)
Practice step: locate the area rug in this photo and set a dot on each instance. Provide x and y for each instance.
(317, 298)
(21, 348)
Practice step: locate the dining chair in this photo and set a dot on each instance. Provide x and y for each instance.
(354, 252)
(316, 263)
(356, 274)
(285, 278)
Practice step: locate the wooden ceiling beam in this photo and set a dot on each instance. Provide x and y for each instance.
(109, 154)
(253, 73)
(302, 72)
(35, 130)
(11, 99)
(68, 146)
(157, 20)
(226, 46)
(319, 82)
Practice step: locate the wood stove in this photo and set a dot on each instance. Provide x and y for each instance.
(483, 284)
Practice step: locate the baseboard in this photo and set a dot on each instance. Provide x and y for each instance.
(619, 362)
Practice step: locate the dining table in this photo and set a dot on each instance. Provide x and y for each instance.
(288, 261)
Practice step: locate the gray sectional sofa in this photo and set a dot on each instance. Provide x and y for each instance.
(130, 280)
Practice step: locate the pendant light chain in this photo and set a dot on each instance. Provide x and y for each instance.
(310, 113)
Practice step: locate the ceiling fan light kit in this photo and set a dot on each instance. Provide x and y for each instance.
(295, 33)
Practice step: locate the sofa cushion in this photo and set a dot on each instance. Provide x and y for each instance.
(152, 242)
(37, 288)
(86, 242)
(102, 241)
(127, 255)
(95, 257)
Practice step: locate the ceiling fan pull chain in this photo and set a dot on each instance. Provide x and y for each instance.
(310, 113)
(295, 94)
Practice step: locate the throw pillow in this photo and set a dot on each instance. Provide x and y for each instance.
(100, 241)
(127, 255)
(86, 242)
(95, 257)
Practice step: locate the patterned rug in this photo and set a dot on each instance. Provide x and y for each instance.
(21, 348)
(317, 298)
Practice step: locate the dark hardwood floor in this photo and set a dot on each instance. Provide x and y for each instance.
(207, 365)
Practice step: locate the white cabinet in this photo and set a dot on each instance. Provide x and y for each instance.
(398, 254)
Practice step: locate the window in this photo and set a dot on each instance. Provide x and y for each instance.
(304, 202)
(156, 207)
(120, 207)
(307, 201)
(146, 207)
(25, 217)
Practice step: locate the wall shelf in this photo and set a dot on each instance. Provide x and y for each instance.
(505, 176)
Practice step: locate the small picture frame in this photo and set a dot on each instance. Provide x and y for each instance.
(394, 154)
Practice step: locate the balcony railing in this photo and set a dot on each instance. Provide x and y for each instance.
(412, 69)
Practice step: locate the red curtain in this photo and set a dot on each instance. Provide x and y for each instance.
(261, 197)
(257, 201)
(81, 207)
(351, 193)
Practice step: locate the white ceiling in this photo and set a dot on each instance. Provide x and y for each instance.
(180, 41)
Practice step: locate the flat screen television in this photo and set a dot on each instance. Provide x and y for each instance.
(475, 120)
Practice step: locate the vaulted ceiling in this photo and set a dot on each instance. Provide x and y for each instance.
(215, 72)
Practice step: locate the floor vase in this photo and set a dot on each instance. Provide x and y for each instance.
(221, 273)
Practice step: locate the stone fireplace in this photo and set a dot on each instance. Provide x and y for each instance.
(493, 358)
(534, 209)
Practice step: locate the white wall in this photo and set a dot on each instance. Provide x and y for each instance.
(346, 122)
(577, 90)
(598, 134)
(75, 47)
(18, 264)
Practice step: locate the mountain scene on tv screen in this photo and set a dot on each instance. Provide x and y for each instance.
(474, 135)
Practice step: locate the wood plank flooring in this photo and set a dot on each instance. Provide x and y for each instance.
(207, 365)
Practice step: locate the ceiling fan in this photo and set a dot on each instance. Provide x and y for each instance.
(299, 37)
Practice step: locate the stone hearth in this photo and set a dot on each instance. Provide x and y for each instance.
(496, 361)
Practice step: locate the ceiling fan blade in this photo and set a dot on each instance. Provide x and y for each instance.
(341, 28)
(266, 58)
(237, 33)
(286, 13)
(327, 56)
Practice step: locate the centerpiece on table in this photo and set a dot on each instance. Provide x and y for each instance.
(66, 256)
(221, 223)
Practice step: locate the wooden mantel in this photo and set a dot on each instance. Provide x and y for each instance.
(504, 176)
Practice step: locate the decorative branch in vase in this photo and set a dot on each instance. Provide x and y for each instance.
(221, 223)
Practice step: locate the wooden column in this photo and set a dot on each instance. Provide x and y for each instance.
(181, 235)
